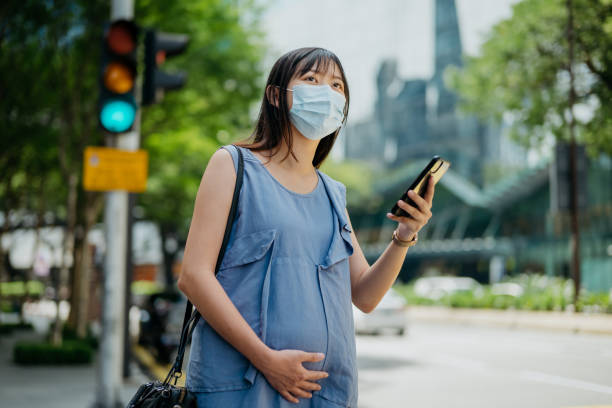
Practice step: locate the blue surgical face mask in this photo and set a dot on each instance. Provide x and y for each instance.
(317, 110)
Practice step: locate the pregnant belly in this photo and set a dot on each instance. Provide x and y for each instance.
(296, 314)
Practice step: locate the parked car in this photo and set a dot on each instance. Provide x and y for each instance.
(507, 289)
(436, 287)
(390, 313)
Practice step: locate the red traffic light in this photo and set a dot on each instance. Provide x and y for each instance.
(121, 37)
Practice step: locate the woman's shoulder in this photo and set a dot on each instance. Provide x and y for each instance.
(232, 152)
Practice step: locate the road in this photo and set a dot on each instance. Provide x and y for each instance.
(437, 366)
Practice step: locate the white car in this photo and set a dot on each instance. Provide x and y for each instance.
(436, 287)
(390, 313)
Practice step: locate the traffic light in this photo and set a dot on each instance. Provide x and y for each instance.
(159, 46)
(117, 105)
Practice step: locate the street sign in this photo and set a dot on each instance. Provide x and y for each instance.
(106, 169)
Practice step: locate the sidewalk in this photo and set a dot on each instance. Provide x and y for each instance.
(564, 321)
(53, 386)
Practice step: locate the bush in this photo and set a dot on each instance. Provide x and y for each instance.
(7, 328)
(20, 288)
(6, 306)
(462, 299)
(408, 292)
(595, 302)
(35, 353)
(69, 333)
(540, 292)
(502, 302)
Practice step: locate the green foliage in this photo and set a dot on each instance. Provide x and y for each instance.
(522, 73)
(412, 298)
(181, 134)
(144, 288)
(18, 288)
(540, 293)
(595, 302)
(69, 334)
(6, 306)
(47, 100)
(7, 328)
(48, 107)
(358, 179)
(37, 353)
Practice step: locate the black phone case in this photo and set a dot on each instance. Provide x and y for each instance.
(396, 210)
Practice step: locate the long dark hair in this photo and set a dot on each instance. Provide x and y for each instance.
(273, 124)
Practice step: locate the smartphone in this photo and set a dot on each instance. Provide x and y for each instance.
(436, 169)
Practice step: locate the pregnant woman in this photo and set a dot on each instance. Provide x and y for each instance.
(277, 322)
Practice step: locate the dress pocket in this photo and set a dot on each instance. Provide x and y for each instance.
(214, 364)
(247, 248)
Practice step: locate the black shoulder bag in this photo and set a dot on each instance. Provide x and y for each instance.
(163, 394)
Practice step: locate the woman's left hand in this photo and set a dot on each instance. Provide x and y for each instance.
(408, 227)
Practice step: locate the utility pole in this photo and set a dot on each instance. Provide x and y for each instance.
(115, 227)
(575, 240)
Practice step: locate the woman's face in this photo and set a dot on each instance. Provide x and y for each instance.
(331, 77)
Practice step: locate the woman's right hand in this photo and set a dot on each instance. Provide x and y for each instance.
(284, 371)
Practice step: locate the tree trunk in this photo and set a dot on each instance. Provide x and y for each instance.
(3, 230)
(575, 239)
(39, 221)
(67, 250)
(77, 275)
(79, 308)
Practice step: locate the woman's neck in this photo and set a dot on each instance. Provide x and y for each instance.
(304, 150)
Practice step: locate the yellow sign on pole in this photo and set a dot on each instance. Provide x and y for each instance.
(106, 169)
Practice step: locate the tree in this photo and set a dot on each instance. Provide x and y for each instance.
(46, 109)
(182, 133)
(523, 73)
(49, 59)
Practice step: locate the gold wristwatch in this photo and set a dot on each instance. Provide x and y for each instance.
(404, 243)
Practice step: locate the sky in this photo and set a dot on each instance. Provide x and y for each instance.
(364, 32)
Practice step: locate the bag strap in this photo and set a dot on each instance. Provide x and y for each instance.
(191, 319)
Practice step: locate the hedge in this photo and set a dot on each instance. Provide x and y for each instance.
(37, 353)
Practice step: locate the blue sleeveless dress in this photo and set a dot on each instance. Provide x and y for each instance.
(286, 269)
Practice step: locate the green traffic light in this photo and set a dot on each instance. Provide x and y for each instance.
(117, 116)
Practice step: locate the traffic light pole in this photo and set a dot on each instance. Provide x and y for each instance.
(115, 227)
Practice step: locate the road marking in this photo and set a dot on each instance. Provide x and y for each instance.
(158, 370)
(567, 382)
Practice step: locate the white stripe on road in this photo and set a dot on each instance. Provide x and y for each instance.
(566, 382)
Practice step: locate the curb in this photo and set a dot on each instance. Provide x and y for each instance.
(563, 321)
(153, 370)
